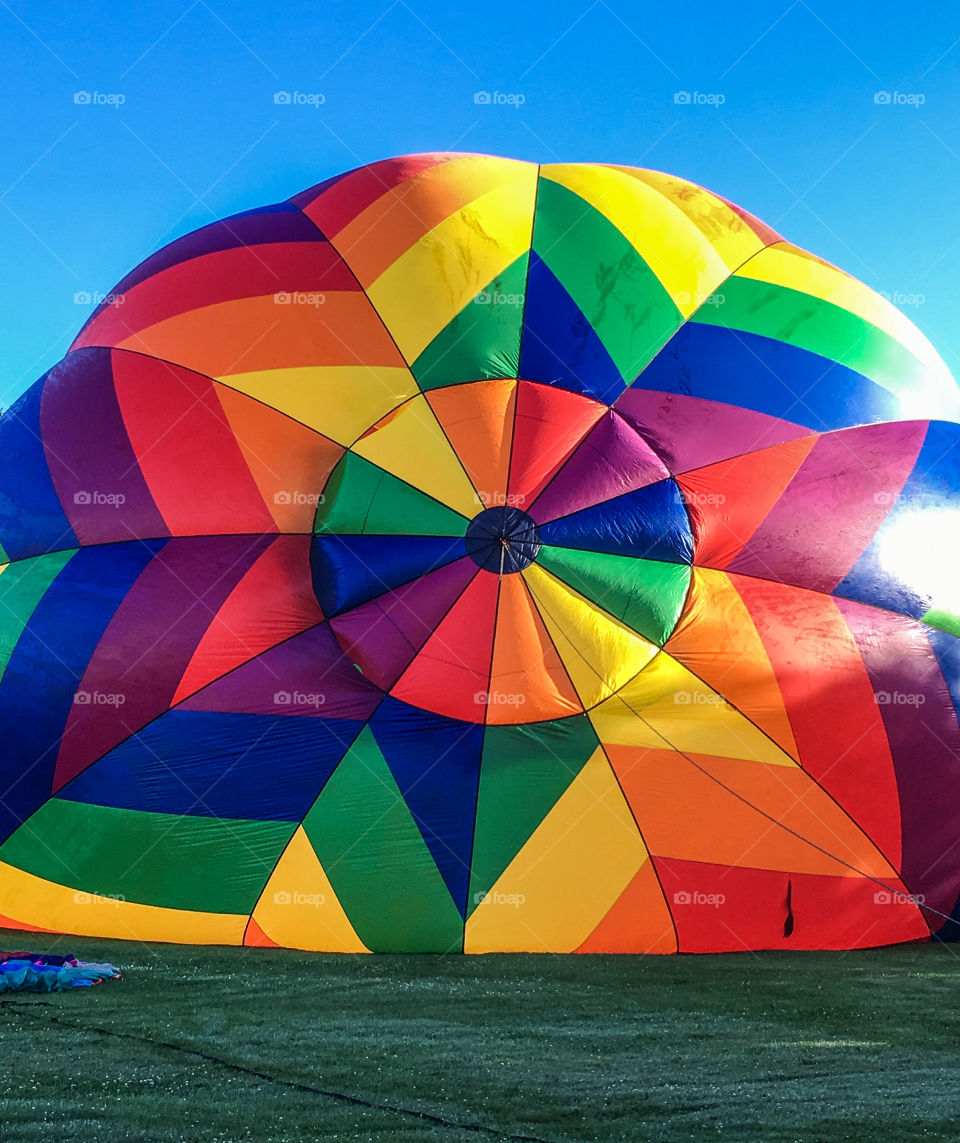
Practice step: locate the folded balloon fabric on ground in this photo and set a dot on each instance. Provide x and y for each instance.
(473, 555)
(29, 972)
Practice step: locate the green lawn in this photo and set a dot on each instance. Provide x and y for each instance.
(212, 1045)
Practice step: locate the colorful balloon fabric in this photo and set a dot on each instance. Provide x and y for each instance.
(32, 972)
(471, 555)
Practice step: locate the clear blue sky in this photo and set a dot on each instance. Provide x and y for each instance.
(89, 189)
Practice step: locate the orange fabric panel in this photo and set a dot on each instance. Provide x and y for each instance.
(528, 681)
(401, 216)
(684, 813)
(716, 639)
(639, 920)
(256, 937)
(253, 334)
(728, 501)
(289, 462)
(478, 421)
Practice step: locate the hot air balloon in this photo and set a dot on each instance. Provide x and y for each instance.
(466, 554)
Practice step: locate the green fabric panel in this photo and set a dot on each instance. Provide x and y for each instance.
(22, 586)
(4, 558)
(153, 859)
(647, 595)
(483, 340)
(945, 620)
(377, 861)
(524, 770)
(815, 325)
(362, 498)
(614, 288)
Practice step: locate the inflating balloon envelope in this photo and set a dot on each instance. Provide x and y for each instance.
(471, 555)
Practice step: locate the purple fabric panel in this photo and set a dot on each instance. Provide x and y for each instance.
(383, 636)
(832, 508)
(92, 463)
(307, 675)
(924, 738)
(611, 459)
(690, 432)
(134, 672)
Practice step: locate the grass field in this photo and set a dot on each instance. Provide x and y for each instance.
(216, 1045)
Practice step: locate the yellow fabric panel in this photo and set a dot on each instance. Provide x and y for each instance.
(727, 232)
(573, 868)
(400, 217)
(339, 401)
(599, 653)
(299, 908)
(785, 265)
(427, 286)
(668, 706)
(665, 237)
(412, 445)
(35, 901)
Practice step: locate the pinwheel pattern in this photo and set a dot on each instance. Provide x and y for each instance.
(467, 555)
